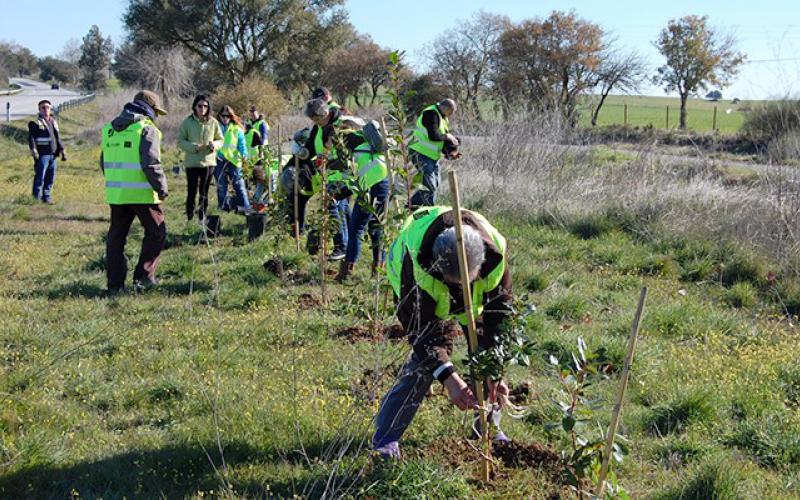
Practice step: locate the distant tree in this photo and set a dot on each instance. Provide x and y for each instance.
(4, 75)
(252, 91)
(421, 91)
(359, 65)
(239, 38)
(461, 57)
(697, 56)
(71, 53)
(547, 62)
(714, 95)
(619, 71)
(53, 68)
(95, 58)
(168, 71)
(18, 60)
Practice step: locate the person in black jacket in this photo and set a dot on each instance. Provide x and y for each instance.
(45, 144)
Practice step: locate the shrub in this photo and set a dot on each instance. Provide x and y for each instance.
(740, 295)
(771, 120)
(537, 282)
(591, 226)
(253, 90)
(772, 440)
(741, 266)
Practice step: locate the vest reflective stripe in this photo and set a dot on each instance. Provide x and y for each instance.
(125, 181)
(410, 240)
(422, 143)
(371, 167)
(129, 185)
(116, 165)
(43, 140)
(230, 143)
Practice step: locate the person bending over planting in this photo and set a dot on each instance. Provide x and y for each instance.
(423, 270)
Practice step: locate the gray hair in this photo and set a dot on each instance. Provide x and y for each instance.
(316, 108)
(445, 254)
(447, 103)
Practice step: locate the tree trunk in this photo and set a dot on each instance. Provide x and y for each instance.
(682, 125)
(596, 111)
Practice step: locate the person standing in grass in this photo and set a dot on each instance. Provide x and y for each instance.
(135, 188)
(422, 268)
(199, 136)
(45, 144)
(432, 138)
(229, 161)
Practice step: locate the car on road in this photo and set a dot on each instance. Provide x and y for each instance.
(55, 86)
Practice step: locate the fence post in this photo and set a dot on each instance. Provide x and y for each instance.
(714, 121)
(625, 115)
(667, 116)
(8, 112)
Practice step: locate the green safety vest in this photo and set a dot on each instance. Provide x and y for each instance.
(409, 241)
(371, 167)
(257, 125)
(422, 143)
(230, 142)
(319, 147)
(254, 152)
(126, 182)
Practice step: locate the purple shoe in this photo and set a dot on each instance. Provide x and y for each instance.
(500, 437)
(389, 450)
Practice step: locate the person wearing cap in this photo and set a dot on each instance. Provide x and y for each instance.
(45, 144)
(431, 139)
(199, 136)
(135, 187)
(423, 270)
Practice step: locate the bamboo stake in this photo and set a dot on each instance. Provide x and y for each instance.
(472, 337)
(296, 203)
(623, 385)
(323, 232)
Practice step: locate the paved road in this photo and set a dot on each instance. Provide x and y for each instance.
(25, 103)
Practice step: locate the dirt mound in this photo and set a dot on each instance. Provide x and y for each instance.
(519, 394)
(308, 301)
(522, 455)
(275, 266)
(366, 333)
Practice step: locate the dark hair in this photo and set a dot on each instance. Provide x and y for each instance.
(321, 93)
(201, 98)
(229, 110)
(44, 101)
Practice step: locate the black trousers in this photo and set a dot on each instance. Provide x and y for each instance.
(197, 178)
(155, 234)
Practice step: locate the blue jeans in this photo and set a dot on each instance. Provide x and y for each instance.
(222, 172)
(430, 180)
(44, 174)
(402, 401)
(366, 212)
(339, 211)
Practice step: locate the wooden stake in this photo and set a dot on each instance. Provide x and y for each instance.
(667, 116)
(472, 336)
(296, 203)
(714, 124)
(623, 385)
(323, 237)
(625, 115)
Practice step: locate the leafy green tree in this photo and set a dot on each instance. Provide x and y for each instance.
(18, 60)
(53, 68)
(288, 39)
(95, 59)
(697, 56)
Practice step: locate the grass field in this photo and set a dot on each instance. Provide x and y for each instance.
(227, 381)
(647, 110)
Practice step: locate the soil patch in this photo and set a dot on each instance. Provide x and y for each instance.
(520, 394)
(308, 301)
(366, 333)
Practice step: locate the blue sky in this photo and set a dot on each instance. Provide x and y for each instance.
(766, 30)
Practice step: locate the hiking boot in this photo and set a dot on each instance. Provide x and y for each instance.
(389, 451)
(337, 254)
(345, 270)
(115, 292)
